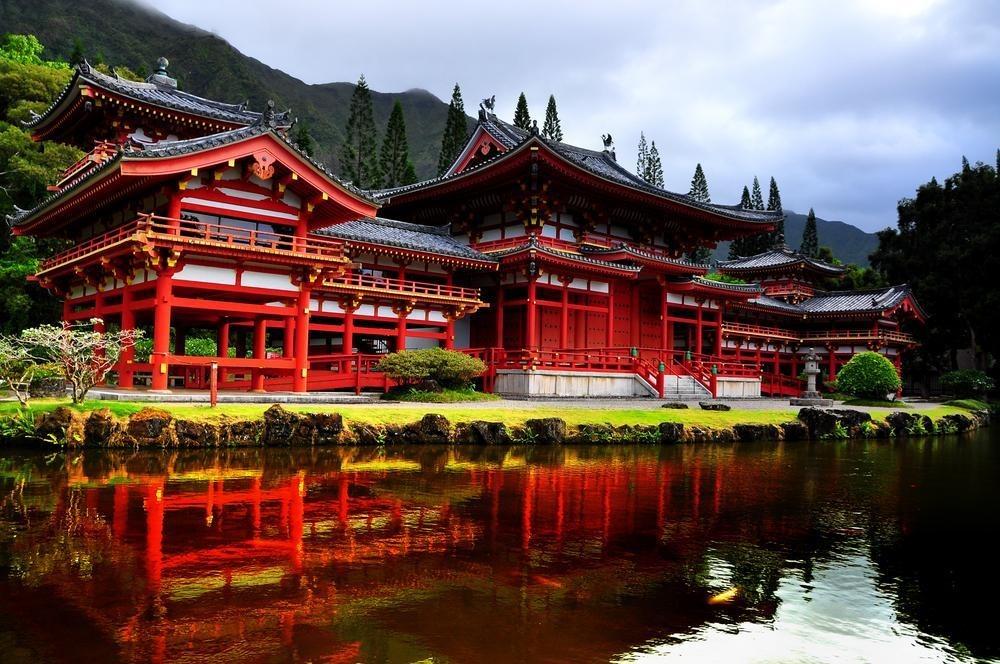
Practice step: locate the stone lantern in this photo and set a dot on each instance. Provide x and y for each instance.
(811, 397)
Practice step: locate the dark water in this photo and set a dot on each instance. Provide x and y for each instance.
(868, 551)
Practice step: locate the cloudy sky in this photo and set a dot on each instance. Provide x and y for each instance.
(849, 104)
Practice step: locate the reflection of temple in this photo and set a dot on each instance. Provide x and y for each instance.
(224, 556)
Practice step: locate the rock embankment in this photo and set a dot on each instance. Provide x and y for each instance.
(153, 427)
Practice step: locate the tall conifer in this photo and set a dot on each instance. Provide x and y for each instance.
(455, 132)
(395, 150)
(774, 204)
(642, 159)
(303, 138)
(745, 202)
(810, 237)
(756, 196)
(358, 159)
(522, 118)
(654, 171)
(552, 130)
(699, 186)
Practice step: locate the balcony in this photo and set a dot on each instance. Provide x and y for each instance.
(365, 284)
(155, 231)
(820, 336)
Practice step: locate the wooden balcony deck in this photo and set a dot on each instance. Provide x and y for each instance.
(819, 336)
(365, 284)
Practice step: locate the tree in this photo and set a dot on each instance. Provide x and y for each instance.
(654, 171)
(868, 375)
(84, 354)
(699, 186)
(946, 246)
(756, 197)
(552, 130)
(303, 138)
(358, 159)
(522, 119)
(409, 174)
(16, 369)
(774, 204)
(26, 50)
(810, 238)
(642, 160)
(455, 132)
(745, 202)
(76, 56)
(395, 150)
(700, 255)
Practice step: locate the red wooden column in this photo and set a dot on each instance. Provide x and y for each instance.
(609, 339)
(299, 378)
(532, 317)
(259, 352)
(635, 317)
(402, 311)
(449, 318)
(718, 331)
(125, 375)
(698, 327)
(222, 339)
(664, 318)
(162, 304)
(347, 345)
(564, 312)
(500, 304)
(288, 339)
(832, 370)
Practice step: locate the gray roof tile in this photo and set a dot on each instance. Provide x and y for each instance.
(388, 232)
(777, 257)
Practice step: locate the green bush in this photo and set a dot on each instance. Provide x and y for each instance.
(200, 347)
(446, 367)
(868, 375)
(966, 383)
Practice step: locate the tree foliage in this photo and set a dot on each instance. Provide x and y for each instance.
(455, 132)
(448, 368)
(774, 204)
(967, 383)
(947, 247)
(358, 158)
(654, 167)
(522, 119)
(699, 186)
(642, 157)
(395, 150)
(810, 237)
(552, 129)
(304, 139)
(868, 375)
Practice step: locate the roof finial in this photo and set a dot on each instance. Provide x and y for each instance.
(268, 118)
(160, 76)
(609, 145)
(486, 107)
(534, 127)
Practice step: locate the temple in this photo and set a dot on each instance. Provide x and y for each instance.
(559, 268)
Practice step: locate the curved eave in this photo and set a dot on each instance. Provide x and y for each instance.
(717, 289)
(657, 263)
(398, 251)
(569, 261)
(798, 267)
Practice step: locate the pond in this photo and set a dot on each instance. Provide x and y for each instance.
(820, 552)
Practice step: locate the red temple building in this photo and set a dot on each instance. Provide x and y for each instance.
(553, 263)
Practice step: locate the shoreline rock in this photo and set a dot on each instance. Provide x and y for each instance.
(154, 427)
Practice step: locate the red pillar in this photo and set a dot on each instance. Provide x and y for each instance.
(698, 328)
(449, 325)
(564, 313)
(348, 344)
(125, 379)
(402, 313)
(718, 333)
(499, 331)
(532, 313)
(299, 378)
(288, 339)
(162, 304)
(832, 371)
(259, 352)
(664, 319)
(635, 317)
(609, 339)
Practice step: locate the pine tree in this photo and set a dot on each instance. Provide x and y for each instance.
(642, 160)
(699, 186)
(522, 118)
(737, 248)
(745, 201)
(455, 132)
(810, 238)
(774, 204)
(700, 255)
(303, 138)
(552, 130)
(409, 174)
(358, 159)
(756, 197)
(76, 57)
(395, 151)
(654, 174)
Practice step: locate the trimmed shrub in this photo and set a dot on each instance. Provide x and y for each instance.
(966, 382)
(868, 375)
(447, 368)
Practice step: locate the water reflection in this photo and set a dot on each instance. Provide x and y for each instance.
(765, 552)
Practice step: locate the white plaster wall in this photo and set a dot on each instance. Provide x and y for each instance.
(207, 274)
(267, 280)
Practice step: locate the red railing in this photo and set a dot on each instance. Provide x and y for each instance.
(820, 335)
(348, 370)
(390, 285)
(184, 231)
(779, 385)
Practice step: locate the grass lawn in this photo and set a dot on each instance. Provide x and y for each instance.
(402, 413)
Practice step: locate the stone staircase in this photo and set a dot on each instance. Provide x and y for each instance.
(684, 388)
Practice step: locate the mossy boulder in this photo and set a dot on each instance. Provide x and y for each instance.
(671, 432)
(192, 433)
(63, 424)
(713, 405)
(479, 432)
(103, 429)
(152, 427)
(794, 430)
(547, 430)
(754, 432)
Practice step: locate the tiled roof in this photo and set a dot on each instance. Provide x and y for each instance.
(533, 244)
(164, 96)
(872, 300)
(778, 257)
(646, 255)
(164, 149)
(429, 239)
(601, 164)
(724, 285)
